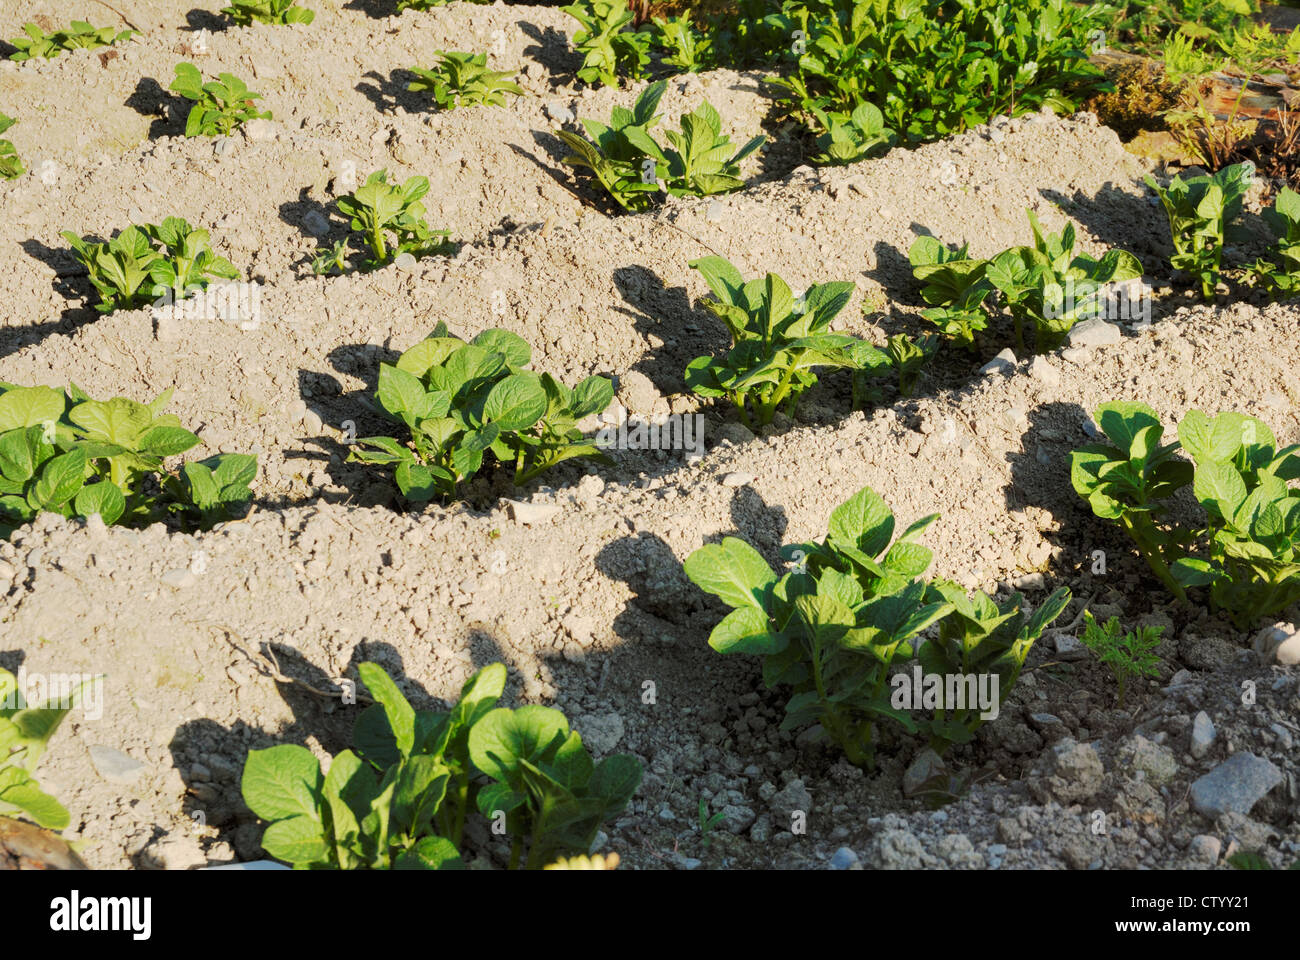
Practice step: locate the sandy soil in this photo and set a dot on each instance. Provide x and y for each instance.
(588, 604)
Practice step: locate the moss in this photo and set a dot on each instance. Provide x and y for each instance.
(1141, 96)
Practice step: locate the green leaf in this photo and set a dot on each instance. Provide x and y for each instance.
(733, 571)
(400, 715)
(282, 782)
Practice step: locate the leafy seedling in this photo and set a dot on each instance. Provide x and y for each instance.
(707, 821)
(1252, 564)
(1128, 655)
(552, 797)
(80, 36)
(778, 340)
(1281, 274)
(390, 219)
(463, 79)
(981, 636)
(832, 626)
(1201, 211)
(242, 13)
(25, 731)
(10, 165)
(398, 802)
(617, 153)
(688, 50)
(461, 401)
(695, 164)
(1052, 287)
(857, 136)
(1130, 478)
(220, 106)
(607, 46)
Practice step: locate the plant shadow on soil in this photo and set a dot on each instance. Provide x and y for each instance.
(149, 99)
(71, 282)
(552, 50)
(198, 19)
(392, 91)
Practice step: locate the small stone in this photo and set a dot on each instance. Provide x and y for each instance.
(405, 262)
(179, 579)
(1235, 785)
(1202, 735)
(1040, 369)
(1093, 333)
(715, 212)
(737, 479)
(601, 732)
(558, 112)
(1157, 763)
(316, 223)
(843, 859)
(1031, 581)
(1004, 363)
(259, 128)
(532, 513)
(923, 771)
(1280, 642)
(174, 852)
(1070, 648)
(114, 765)
(1205, 848)
(794, 798)
(1284, 739)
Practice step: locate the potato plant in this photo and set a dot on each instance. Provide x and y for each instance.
(388, 220)
(635, 168)
(1052, 287)
(1247, 554)
(852, 607)
(219, 106)
(79, 36)
(777, 341)
(607, 46)
(400, 799)
(243, 13)
(461, 401)
(463, 79)
(935, 68)
(63, 452)
(10, 165)
(25, 731)
(1201, 211)
(148, 261)
(1047, 286)
(1281, 273)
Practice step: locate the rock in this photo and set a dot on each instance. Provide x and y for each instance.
(316, 223)
(559, 112)
(405, 262)
(532, 513)
(1070, 648)
(1280, 642)
(899, 850)
(179, 579)
(601, 732)
(795, 797)
(1284, 738)
(735, 432)
(1076, 772)
(1205, 848)
(1157, 763)
(1235, 785)
(1041, 370)
(638, 393)
(174, 852)
(737, 479)
(843, 859)
(922, 773)
(259, 128)
(715, 212)
(739, 818)
(1093, 333)
(957, 849)
(1004, 363)
(114, 765)
(1202, 735)
(1031, 581)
